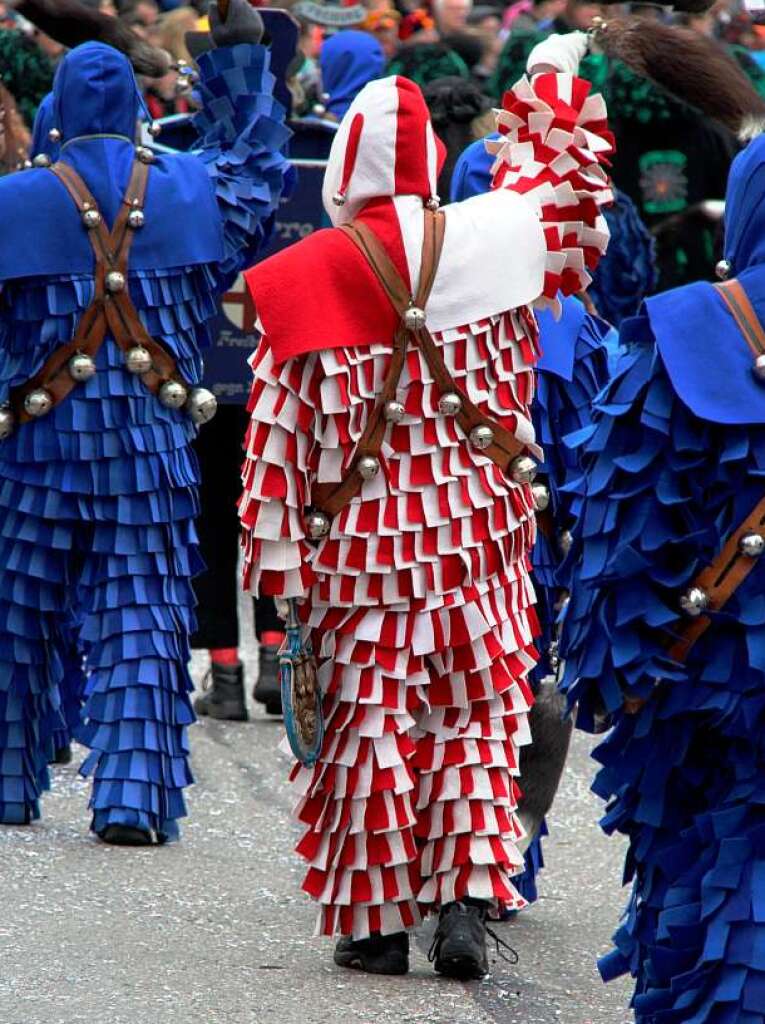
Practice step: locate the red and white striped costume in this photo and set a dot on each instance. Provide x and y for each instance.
(419, 599)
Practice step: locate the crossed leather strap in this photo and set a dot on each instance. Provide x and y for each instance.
(724, 575)
(332, 498)
(109, 311)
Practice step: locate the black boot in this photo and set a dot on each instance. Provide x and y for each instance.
(459, 943)
(130, 835)
(379, 954)
(62, 755)
(225, 697)
(268, 689)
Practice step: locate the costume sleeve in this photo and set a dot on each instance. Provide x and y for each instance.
(275, 477)
(646, 461)
(242, 137)
(555, 141)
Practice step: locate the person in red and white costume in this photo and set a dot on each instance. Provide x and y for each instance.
(418, 598)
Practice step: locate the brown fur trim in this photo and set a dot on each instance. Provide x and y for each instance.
(691, 67)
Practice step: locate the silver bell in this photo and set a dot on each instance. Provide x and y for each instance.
(154, 129)
(759, 369)
(115, 281)
(81, 367)
(481, 437)
(136, 219)
(523, 469)
(202, 405)
(541, 497)
(368, 467)
(173, 394)
(414, 319)
(449, 404)
(433, 203)
(752, 545)
(394, 412)
(338, 199)
(38, 402)
(694, 601)
(138, 360)
(41, 160)
(91, 219)
(317, 525)
(144, 155)
(54, 135)
(722, 269)
(319, 110)
(565, 540)
(7, 422)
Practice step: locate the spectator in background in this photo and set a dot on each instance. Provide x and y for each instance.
(25, 70)
(538, 16)
(384, 24)
(171, 32)
(425, 62)
(451, 15)
(460, 114)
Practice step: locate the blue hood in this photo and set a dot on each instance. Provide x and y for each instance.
(95, 106)
(349, 60)
(41, 143)
(95, 93)
(703, 350)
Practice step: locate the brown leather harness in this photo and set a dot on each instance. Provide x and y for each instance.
(505, 446)
(110, 311)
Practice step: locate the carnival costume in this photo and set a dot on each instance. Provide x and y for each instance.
(97, 480)
(665, 631)
(407, 539)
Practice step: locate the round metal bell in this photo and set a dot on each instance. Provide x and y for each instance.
(317, 525)
(144, 155)
(202, 405)
(7, 422)
(136, 219)
(138, 360)
(694, 602)
(319, 110)
(414, 319)
(752, 545)
(54, 135)
(115, 281)
(338, 199)
(91, 219)
(565, 540)
(38, 402)
(368, 467)
(394, 412)
(759, 369)
(154, 129)
(541, 497)
(81, 367)
(449, 404)
(173, 394)
(433, 203)
(523, 469)
(41, 160)
(722, 269)
(481, 437)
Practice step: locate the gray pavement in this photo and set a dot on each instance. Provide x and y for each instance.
(215, 929)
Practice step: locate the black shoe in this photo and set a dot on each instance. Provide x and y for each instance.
(379, 954)
(225, 696)
(268, 689)
(129, 835)
(459, 944)
(62, 755)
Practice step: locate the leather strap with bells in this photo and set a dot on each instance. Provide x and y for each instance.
(109, 311)
(332, 498)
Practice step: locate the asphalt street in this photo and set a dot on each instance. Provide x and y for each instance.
(215, 928)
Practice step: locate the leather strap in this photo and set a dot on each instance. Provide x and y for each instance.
(735, 298)
(114, 312)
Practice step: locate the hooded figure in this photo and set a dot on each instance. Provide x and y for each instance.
(665, 632)
(405, 541)
(97, 480)
(348, 61)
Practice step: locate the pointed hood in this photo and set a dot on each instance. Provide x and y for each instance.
(745, 209)
(385, 147)
(95, 93)
(349, 60)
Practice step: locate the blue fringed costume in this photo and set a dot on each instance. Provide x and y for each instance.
(674, 463)
(98, 498)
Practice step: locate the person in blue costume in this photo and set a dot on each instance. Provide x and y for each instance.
(674, 463)
(348, 61)
(98, 496)
(571, 371)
